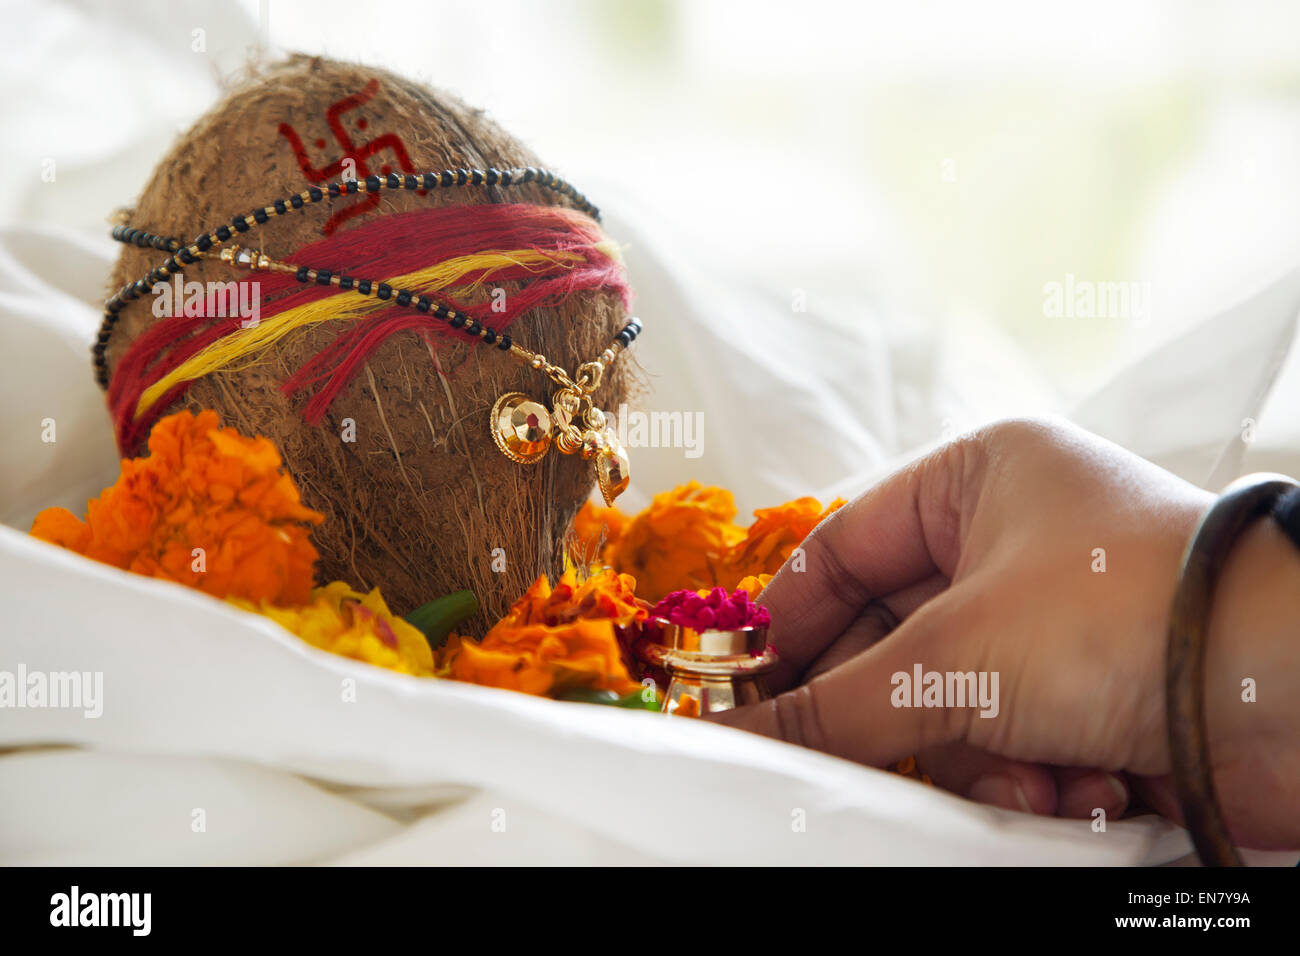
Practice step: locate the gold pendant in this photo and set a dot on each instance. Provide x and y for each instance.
(613, 471)
(521, 428)
(524, 430)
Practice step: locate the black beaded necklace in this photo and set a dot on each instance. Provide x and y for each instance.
(521, 427)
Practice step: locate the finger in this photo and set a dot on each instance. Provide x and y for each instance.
(906, 602)
(902, 531)
(878, 619)
(1159, 793)
(875, 623)
(988, 778)
(850, 711)
(1082, 791)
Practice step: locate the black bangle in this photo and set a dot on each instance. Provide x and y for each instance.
(1287, 514)
(1244, 501)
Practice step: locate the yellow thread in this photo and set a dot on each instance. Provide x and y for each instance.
(611, 250)
(347, 304)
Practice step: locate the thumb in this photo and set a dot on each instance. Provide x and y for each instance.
(859, 710)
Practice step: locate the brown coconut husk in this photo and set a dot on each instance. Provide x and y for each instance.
(418, 503)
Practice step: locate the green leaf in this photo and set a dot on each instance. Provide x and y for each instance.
(589, 695)
(637, 701)
(436, 619)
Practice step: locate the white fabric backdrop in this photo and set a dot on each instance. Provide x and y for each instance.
(208, 708)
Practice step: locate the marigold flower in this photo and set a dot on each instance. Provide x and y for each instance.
(360, 626)
(553, 640)
(753, 584)
(208, 508)
(775, 533)
(680, 541)
(596, 532)
(687, 539)
(60, 526)
(688, 705)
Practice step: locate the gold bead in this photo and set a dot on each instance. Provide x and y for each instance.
(566, 401)
(568, 439)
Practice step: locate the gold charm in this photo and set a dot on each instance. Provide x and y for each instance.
(521, 428)
(613, 470)
(565, 405)
(524, 429)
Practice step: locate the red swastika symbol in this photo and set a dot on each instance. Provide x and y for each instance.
(359, 154)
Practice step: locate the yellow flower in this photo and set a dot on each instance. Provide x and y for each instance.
(351, 624)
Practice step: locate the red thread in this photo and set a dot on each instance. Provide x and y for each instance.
(389, 246)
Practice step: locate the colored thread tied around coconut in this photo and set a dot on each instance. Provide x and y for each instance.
(448, 254)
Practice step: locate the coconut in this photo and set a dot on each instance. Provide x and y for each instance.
(420, 502)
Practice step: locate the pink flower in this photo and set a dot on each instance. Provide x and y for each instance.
(711, 610)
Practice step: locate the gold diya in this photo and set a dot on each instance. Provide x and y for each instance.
(709, 670)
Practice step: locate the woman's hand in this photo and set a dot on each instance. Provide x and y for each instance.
(1046, 556)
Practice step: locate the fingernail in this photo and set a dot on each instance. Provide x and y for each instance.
(1000, 791)
(1117, 785)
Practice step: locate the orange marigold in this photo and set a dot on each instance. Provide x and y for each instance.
(687, 706)
(680, 541)
(775, 533)
(596, 532)
(553, 640)
(753, 585)
(207, 508)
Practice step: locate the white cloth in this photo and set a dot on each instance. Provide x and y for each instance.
(206, 708)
